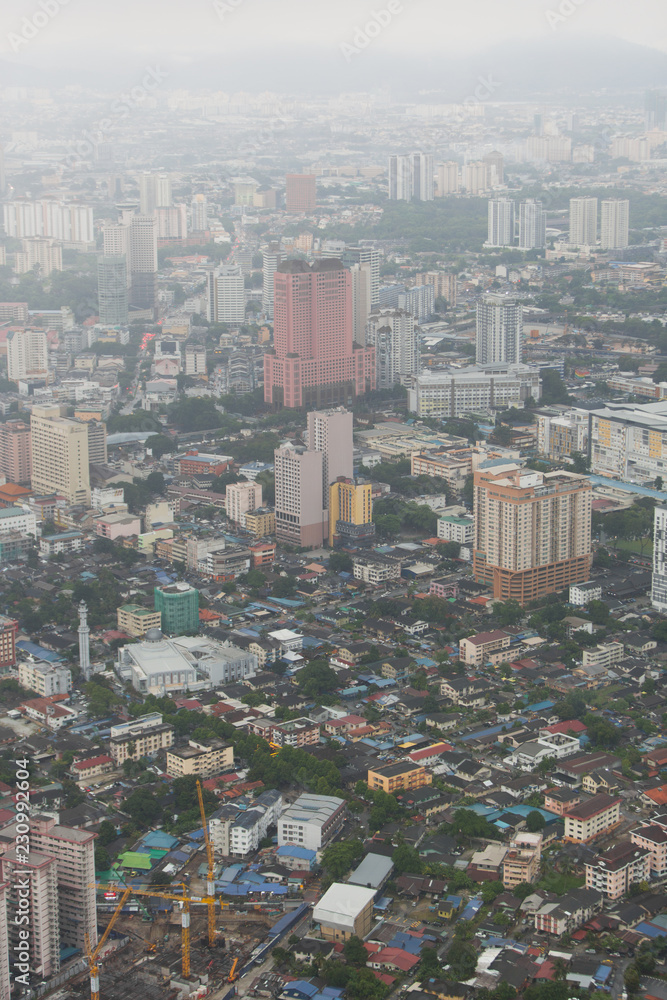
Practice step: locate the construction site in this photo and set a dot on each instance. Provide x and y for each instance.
(178, 939)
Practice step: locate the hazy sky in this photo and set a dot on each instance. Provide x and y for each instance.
(181, 28)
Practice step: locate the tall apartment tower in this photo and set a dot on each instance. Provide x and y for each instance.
(226, 295)
(15, 452)
(27, 355)
(74, 854)
(532, 225)
(449, 178)
(299, 500)
(615, 224)
(400, 177)
(272, 256)
(38, 875)
(143, 262)
(393, 333)
(301, 193)
(350, 512)
(365, 257)
(199, 214)
(659, 585)
(331, 433)
(112, 289)
(59, 455)
(656, 109)
(423, 176)
(501, 222)
(532, 532)
(499, 330)
(362, 279)
(583, 221)
(314, 360)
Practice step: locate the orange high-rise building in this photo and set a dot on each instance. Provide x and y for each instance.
(532, 531)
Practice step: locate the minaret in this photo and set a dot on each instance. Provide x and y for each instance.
(84, 640)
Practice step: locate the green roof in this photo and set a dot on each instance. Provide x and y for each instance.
(136, 609)
(132, 859)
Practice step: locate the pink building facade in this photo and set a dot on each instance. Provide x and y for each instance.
(314, 362)
(15, 452)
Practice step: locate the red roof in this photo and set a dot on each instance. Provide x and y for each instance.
(658, 795)
(571, 726)
(83, 765)
(400, 959)
(432, 751)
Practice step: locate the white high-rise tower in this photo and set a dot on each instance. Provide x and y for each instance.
(84, 640)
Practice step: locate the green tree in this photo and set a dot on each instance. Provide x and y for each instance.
(354, 951)
(338, 858)
(106, 833)
(508, 612)
(535, 821)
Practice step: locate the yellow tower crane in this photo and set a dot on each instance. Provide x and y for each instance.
(210, 882)
(92, 956)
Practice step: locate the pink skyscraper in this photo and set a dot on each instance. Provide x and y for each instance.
(15, 452)
(314, 361)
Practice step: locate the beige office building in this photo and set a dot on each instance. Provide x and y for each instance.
(39, 871)
(59, 455)
(532, 531)
(27, 355)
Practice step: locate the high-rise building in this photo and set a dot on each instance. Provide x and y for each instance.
(195, 360)
(112, 289)
(36, 252)
(444, 285)
(659, 585)
(8, 632)
(495, 161)
(350, 512)
(34, 877)
(331, 433)
(532, 531)
(363, 256)
(97, 442)
(501, 223)
(64, 221)
(583, 221)
(423, 177)
(15, 452)
(272, 256)
(411, 176)
(171, 223)
(393, 333)
(532, 225)
(241, 499)
(400, 178)
(3, 179)
(163, 195)
(449, 178)
(615, 223)
(656, 110)
(27, 355)
(199, 214)
(475, 177)
(361, 301)
(74, 854)
(299, 500)
(59, 455)
(314, 360)
(226, 295)
(499, 330)
(179, 606)
(301, 193)
(154, 192)
(143, 262)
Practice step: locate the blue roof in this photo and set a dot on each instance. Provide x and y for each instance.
(178, 856)
(291, 851)
(39, 651)
(301, 986)
(650, 930)
(539, 706)
(473, 907)
(603, 973)
(160, 839)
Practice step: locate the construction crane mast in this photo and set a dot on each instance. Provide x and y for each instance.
(92, 956)
(210, 882)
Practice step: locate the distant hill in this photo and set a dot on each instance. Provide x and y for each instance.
(560, 65)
